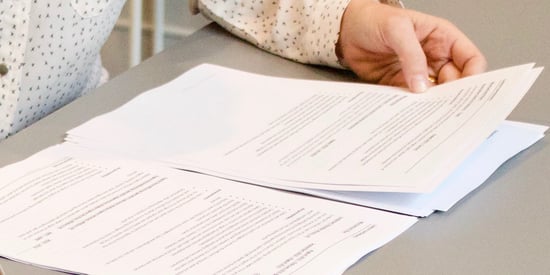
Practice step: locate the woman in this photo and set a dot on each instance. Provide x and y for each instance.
(49, 50)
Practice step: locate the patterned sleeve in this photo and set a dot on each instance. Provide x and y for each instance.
(302, 30)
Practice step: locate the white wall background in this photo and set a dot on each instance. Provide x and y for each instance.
(178, 23)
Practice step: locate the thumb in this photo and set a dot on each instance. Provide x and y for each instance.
(401, 38)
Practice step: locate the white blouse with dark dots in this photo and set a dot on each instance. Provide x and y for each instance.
(302, 30)
(49, 49)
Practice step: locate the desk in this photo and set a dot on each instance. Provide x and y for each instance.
(501, 228)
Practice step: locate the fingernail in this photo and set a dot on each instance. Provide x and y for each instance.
(419, 84)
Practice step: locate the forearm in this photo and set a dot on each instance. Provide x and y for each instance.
(305, 31)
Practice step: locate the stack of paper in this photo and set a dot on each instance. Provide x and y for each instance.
(72, 209)
(192, 177)
(334, 140)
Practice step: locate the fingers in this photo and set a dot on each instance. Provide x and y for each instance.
(448, 72)
(401, 37)
(450, 53)
(467, 57)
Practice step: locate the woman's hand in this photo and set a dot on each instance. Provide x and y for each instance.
(393, 46)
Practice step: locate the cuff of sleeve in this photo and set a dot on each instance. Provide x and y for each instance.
(323, 39)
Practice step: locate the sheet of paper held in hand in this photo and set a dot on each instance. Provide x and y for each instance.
(79, 211)
(311, 134)
(510, 138)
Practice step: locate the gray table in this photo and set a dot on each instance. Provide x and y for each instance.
(501, 228)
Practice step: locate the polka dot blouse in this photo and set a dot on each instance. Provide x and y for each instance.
(49, 50)
(301, 30)
(49, 53)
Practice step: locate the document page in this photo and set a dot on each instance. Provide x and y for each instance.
(76, 210)
(510, 138)
(311, 134)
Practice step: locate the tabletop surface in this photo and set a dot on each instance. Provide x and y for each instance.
(500, 228)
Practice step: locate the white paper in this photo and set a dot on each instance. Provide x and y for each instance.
(311, 134)
(70, 209)
(509, 139)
